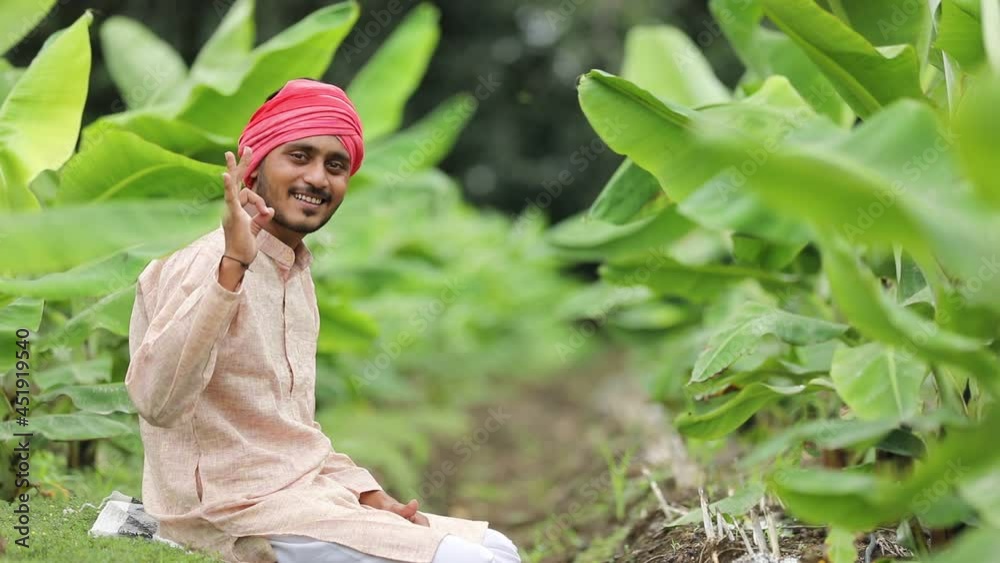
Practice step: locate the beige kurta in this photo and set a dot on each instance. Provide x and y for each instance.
(224, 383)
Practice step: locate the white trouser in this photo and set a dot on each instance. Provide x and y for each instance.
(496, 548)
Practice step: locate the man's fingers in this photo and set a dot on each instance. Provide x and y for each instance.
(229, 190)
(264, 217)
(231, 178)
(230, 162)
(245, 157)
(264, 213)
(237, 170)
(254, 198)
(407, 510)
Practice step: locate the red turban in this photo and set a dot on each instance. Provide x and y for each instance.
(303, 108)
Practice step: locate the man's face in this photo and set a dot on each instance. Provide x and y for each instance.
(312, 168)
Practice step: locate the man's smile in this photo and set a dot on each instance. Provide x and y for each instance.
(309, 202)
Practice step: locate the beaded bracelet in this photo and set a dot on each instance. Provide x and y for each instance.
(242, 263)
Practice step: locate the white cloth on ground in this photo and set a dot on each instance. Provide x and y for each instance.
(123, 515)
(496, 548)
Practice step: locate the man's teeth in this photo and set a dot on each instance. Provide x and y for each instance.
(313, 200)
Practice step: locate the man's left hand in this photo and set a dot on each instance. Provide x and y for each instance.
(382, 501)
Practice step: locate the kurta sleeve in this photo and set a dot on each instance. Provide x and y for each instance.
(181, 313)
(342, 469)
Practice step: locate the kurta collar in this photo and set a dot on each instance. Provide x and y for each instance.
(285, 256)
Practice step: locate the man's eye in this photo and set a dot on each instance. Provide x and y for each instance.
(335, 164)
(298, 156)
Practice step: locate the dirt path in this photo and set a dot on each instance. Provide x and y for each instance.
(535, 468)
(541, 476)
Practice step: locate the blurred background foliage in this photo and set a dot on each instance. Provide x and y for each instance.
(803, 314)
(512, 150)
(415, 285)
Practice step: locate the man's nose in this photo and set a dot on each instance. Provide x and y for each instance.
(315, 174)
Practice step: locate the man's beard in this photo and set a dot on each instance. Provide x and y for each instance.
(263, 190)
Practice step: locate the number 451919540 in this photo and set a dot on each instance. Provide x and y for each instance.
(22, 355)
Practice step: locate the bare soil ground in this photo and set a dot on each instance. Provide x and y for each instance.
(542, 477)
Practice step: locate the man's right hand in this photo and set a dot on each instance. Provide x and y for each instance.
(383, 501)
(240, 228)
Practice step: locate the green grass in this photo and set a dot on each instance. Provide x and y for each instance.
(603, 531)
(401, 449)
(603, 549)
(57, 537)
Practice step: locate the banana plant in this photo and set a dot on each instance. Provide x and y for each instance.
(40, 119)
(136, 165)
(423, 268)
(829, 226)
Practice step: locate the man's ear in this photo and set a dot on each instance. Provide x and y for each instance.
(253, 177)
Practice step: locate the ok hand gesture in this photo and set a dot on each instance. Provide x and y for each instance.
(240, 228)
